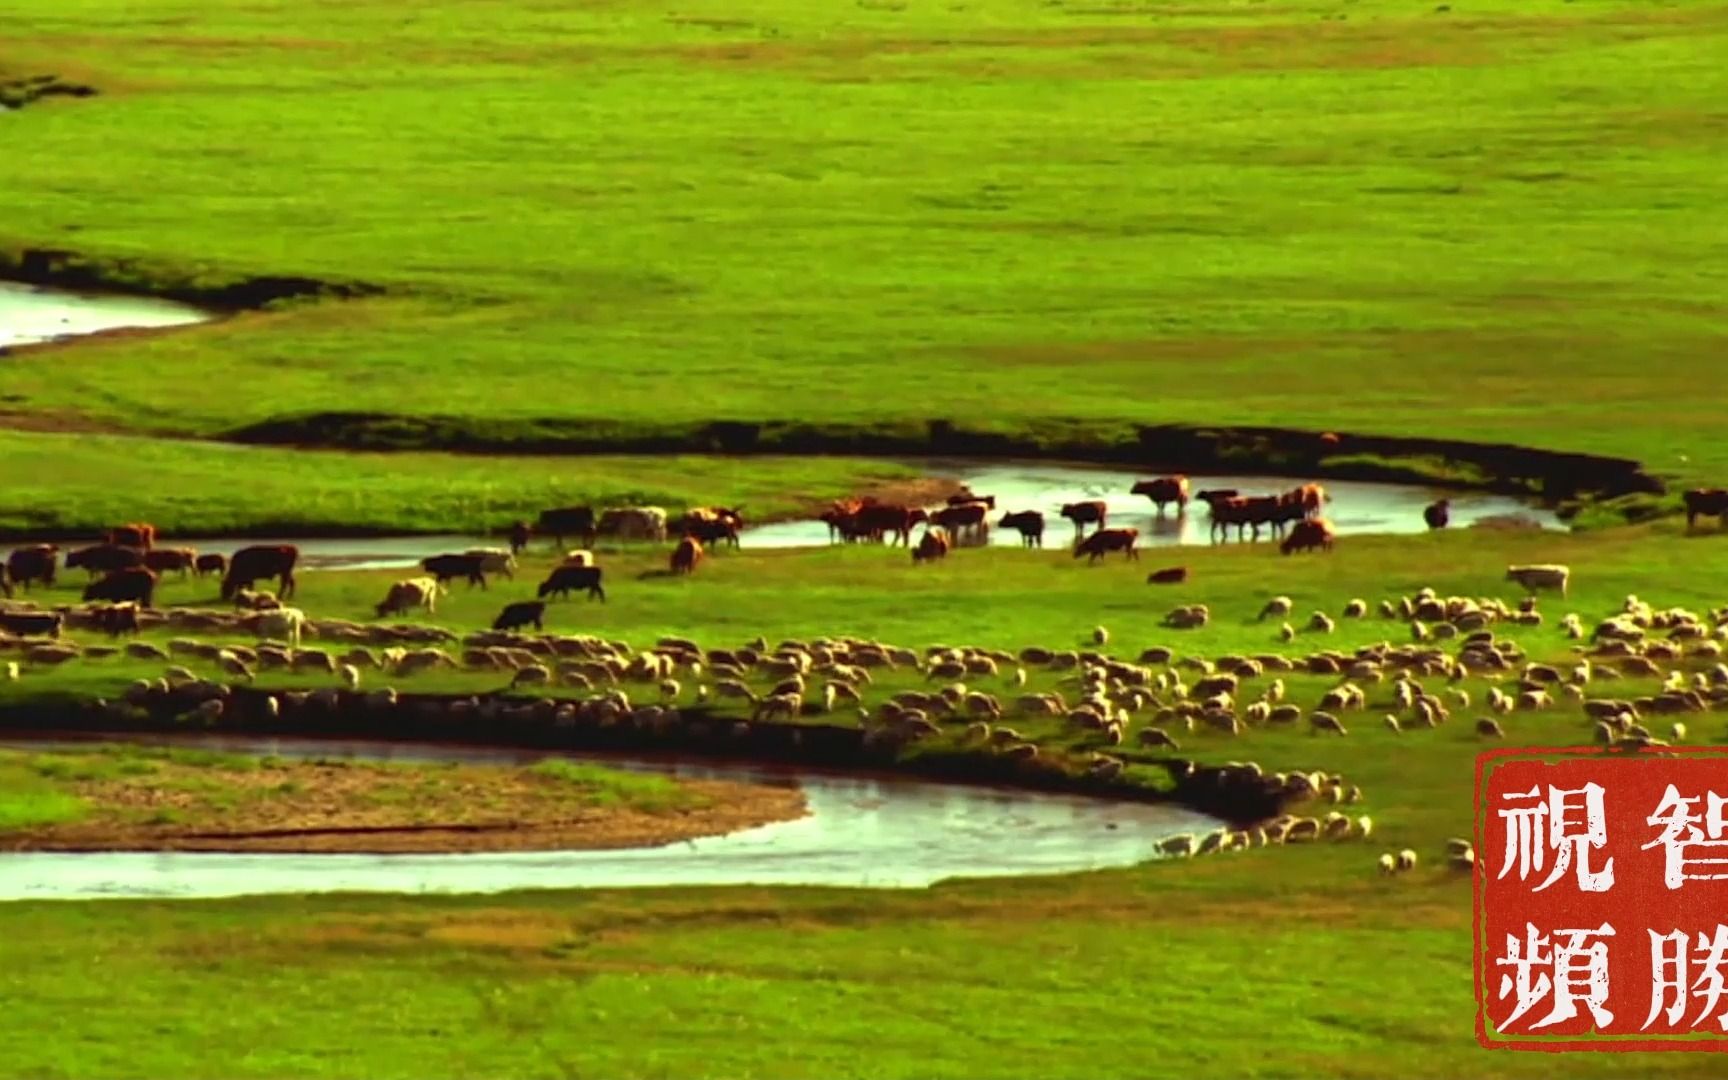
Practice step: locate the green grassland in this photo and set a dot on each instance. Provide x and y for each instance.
(80, 486)
(1273, 962)
(1490, 220)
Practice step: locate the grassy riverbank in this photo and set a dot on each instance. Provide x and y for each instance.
(1489, 223)
(78, 486)
(1350, 974)
(143, 799)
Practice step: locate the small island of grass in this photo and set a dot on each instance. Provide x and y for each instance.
(130, 798)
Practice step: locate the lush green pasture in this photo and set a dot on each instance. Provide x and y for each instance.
(82, 485)
(1498, 221)
(1273, 962)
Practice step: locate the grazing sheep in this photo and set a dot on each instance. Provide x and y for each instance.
(1678, 731)
(1406, 860)
(1388, 864)
(1542, 576)
(1286, 632)
(1356, 609)
(1392, 723)
(1365, 826)
(1323, 721)
(1154, 736)
(1100, 636)
(233, 666)
(1464, 860)
(350, 676)
(532, 675)
(1321, 622)
(1279, 606)
(143, 650)
(280, 624)
(1490, 729)
(1180, 845)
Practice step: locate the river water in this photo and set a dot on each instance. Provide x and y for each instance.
(876, 832)
(29, 314)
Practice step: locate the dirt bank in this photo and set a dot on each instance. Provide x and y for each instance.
(154, 802)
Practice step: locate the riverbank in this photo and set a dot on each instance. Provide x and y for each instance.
(129, 798)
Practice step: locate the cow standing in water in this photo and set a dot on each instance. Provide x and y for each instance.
(1083, 514)
(1163, 490)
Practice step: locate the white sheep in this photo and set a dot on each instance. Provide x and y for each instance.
(1278, 605)
(1365, 826)
(1541, 576)
(1388, 864)
(1406, 860)
(350, 676)
(669, 689)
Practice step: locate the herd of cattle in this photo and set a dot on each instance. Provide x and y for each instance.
(1292, 517)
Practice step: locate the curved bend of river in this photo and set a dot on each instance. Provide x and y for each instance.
(871, 832)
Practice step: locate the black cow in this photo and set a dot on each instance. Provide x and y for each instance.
(450, 567)
(520, 534)
(105, 558)
(35, 563)
(251, 564)
(522, 613)
(1028, 523)
(1438, 515)
(30, 623)
(577, 521)
(135, 584)
(211, 564)
(1705, 502)
(566, 579)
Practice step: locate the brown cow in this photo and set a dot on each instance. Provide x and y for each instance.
(104, 558)
(931, 546)
(957, 520)
(1170, 575)
(1706, 502)
(211, 564)
(1104, 541)
(686, 555)
(712, 525)
(135, 584)
(251, 564)
(35, 563)
(1310, 497)
(1083, 514)
(1165, 489)
(137, 534)
(877, 521)
(1308, 535)
(163, 560)
(1028, 523)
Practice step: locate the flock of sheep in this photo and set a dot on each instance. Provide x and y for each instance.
(1098, 702)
